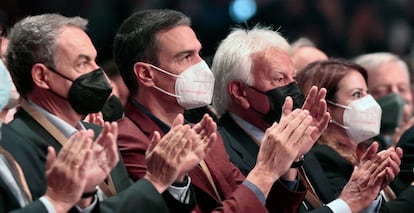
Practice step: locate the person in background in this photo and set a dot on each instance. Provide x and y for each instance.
(7, 112)
(52, 62)
(304, 52)
(389, 84)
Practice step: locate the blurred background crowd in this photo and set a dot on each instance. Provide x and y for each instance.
(341, 28)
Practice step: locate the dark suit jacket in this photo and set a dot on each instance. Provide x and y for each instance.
(8, 202)
(243, 151)
(338, 170)
(30, 152)
(136, 128)
(407, 162)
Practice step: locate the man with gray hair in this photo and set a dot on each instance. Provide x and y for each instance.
(255, 76)
(158, 55)
(389, 84)
(52, 62)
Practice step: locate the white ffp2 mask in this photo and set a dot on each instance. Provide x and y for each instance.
(193, 87)
(362, 118)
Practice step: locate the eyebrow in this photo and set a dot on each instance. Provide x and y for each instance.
(179, 54)
(83, 56)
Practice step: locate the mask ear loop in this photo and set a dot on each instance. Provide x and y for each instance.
(342, 106)
(167, 73)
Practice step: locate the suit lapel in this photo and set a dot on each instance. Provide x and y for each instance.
(241, 142)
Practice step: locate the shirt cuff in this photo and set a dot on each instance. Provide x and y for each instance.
(49, 206)
(290, 184)
(256, 190)
(339, 206)
(90, 207)
(375, 205)
(180, 193)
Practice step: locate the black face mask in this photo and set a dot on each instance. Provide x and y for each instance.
(112, 110)
(276, 99)
(88, 92)
(392, 106)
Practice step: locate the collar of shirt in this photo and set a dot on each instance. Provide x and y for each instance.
(257, 133)
(163, 126)
(66, 129)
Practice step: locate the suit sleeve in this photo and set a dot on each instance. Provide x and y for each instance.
(36, 206)
(324, 209)
(243, 199)
(403, 203)
(407, 162)
(141, 196)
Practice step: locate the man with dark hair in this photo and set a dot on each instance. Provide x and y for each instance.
(52, 61)
(158, 55)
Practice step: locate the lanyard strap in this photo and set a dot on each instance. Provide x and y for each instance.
(18, 173)
(204, 167)
(107, 186)
(311, 195)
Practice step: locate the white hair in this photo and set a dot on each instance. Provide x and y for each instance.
(232, 60)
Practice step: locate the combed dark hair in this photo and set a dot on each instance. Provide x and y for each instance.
(136, 40)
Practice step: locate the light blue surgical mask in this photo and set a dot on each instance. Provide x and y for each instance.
(5, 85)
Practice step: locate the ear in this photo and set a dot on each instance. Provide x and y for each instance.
(143, 73)
(40, 75)
(238, 93)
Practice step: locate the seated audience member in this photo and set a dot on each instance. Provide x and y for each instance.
(254, 75)
(10, 108)
(389, 84)
(356, 118)
(406, 174)
(157, 54)
(304, 52)
(52, 61)
(66, 177)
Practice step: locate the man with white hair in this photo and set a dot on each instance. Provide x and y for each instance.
(254, 76)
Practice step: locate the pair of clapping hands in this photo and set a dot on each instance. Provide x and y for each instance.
(82, 164)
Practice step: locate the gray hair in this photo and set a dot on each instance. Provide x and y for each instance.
(232, 60)
(33, 40)
(373, 61)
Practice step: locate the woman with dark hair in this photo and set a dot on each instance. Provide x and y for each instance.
(355, 120)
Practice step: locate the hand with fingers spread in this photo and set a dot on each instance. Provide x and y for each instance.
(164, 156)
(316, 105)
(392, 156)
(95, 118)
(280, 147)
(170, 158)
(66, 174)
(105, 155)
(203, 138)
(367, 179)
